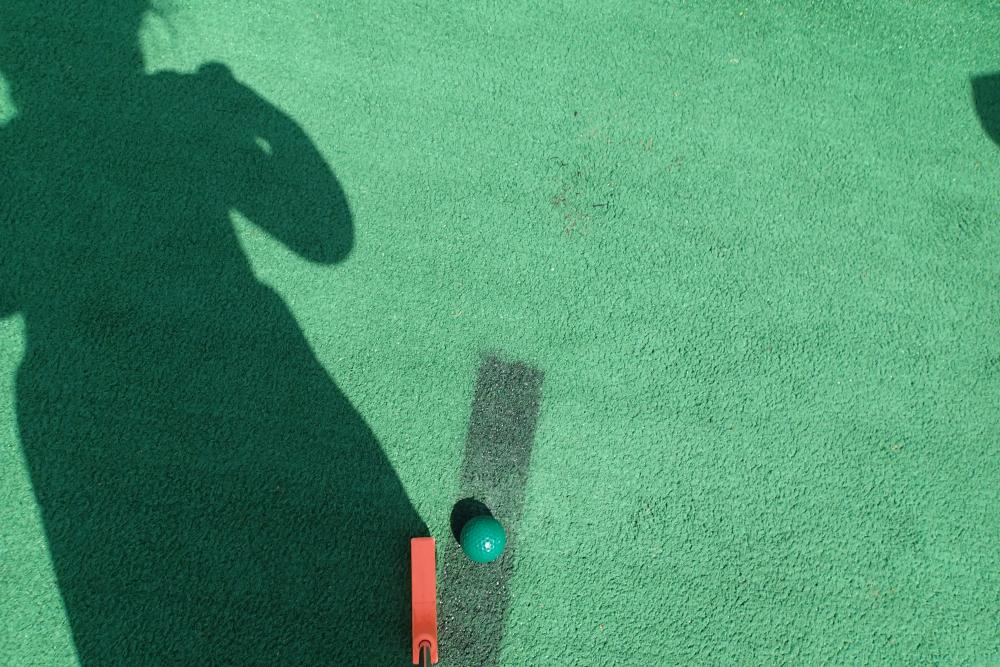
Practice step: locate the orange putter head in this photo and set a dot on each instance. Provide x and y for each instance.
(424, 599)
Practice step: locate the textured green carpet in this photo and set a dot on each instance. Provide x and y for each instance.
(754, 249)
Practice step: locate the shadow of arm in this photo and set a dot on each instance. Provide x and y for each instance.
(284, 184)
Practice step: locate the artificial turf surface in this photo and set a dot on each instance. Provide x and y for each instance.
(752, 248)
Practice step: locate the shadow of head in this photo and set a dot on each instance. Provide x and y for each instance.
(50, 48)
(986, 97)
(76, 76)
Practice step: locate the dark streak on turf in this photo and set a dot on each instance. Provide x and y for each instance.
(502, 424)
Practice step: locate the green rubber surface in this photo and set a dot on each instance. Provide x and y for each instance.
(754, 248)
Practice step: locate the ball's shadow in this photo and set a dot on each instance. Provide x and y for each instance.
(464, 511)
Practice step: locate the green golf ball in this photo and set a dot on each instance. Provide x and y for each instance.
(483, 539)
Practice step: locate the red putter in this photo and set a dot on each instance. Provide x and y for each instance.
(424, 601)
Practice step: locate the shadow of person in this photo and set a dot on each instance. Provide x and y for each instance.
(986, 97)
(208, 494)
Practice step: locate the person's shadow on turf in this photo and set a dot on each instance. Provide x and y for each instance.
(986, 97)
(208, 494)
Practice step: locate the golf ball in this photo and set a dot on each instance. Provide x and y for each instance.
(483, 539)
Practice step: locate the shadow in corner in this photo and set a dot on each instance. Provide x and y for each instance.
(208, 494)
(464, 511)
(986, 97)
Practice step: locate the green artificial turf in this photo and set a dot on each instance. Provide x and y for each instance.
(754, 248)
